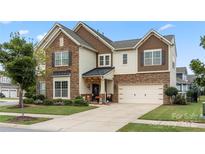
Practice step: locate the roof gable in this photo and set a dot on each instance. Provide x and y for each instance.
(101, 37)
(54, 32)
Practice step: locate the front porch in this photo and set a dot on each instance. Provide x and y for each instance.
(99, 81)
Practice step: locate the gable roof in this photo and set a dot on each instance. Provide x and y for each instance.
(103, 38)
(100, 71)
(181, 70)
(72, 35)
(153, 32)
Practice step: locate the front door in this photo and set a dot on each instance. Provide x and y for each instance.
(95, 91)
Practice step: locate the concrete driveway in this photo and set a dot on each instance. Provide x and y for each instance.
(103, 119)
(8, 102)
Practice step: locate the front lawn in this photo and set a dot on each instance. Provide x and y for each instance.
(20, 120)
(4, 99)
(41, 109)
(189, 113)
(134, 127)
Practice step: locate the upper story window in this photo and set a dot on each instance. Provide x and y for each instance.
(61, 40)
(153, 57)
(104, 60)
(124, 58)
(61, 58)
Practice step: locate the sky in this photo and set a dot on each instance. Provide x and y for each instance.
(187, 34)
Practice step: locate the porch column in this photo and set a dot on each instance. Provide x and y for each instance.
(102, 90)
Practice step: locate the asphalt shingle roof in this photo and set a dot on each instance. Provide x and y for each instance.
(98, 71)
(181, 70)
(76, 36)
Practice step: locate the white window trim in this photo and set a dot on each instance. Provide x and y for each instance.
(42, 82)
(123, 58)
(104, 63)
(61, 79)
(153, 50)
(61, 58)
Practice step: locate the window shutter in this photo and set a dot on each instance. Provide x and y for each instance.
(70, 58)
(142, 58)
(53, 60)
(163, 58)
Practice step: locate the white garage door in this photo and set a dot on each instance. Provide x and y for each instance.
(6, 93)
(10, 93)
(141, 94)
(13, 93)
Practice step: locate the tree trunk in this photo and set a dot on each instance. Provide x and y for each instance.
(21, 100)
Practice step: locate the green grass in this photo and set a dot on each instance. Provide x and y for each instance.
(11, 119)
(188, 113)
(134, 127)
(41, 109)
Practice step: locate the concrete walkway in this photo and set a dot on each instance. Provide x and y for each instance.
(170, 123)
(32, 115)
(103, 119)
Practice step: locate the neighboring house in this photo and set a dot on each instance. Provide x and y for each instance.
(84, 62)
(184, 81)
(7, 88)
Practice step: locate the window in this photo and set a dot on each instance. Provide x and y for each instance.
(61, 58)
(42, 88)
(124, 59)
(104, 60)
(152, 57)
(61, 89)
(61, 40)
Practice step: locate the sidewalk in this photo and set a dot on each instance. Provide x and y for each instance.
(170, 123)
(32, 115)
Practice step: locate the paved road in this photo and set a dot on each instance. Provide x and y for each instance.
(8, 129)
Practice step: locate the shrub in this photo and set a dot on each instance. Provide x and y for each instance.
(180, 100)
(48, 102)
(79, 97)
(67, 102)
(80, 102)
(28, 95)
(40, 97)
(38, 102)
(28, 101)
(171, 92)
(58, 101)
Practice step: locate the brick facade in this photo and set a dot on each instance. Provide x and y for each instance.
(141, 79)
(70, 46)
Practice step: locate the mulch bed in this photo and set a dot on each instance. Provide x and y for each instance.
(22, 118)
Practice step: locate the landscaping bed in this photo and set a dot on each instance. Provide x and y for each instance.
(21, 120)
(135, 127)
(189, 113)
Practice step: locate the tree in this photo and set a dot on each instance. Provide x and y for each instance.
(171, 92)
(19, 63)
(198, 67)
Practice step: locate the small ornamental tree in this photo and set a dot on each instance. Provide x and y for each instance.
(171, 92)
(17, 59)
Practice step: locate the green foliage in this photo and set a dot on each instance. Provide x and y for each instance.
(30, 92)
(171, 91)
(80, 102)
(79, 97)
(193, 93)
(180, 100)
(39, 97)
(48, 102)
(28, 100)
(68, 102)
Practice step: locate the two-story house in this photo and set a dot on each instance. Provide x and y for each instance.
(84, 62)
(7, 88)
(184, 80)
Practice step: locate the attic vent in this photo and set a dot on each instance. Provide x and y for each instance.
(61, 42)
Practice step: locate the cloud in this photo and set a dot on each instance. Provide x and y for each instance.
(40, 36)
(5, 22)
(167, 26)
(23, 32)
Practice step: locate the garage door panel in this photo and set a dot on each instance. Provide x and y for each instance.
(141, 94)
